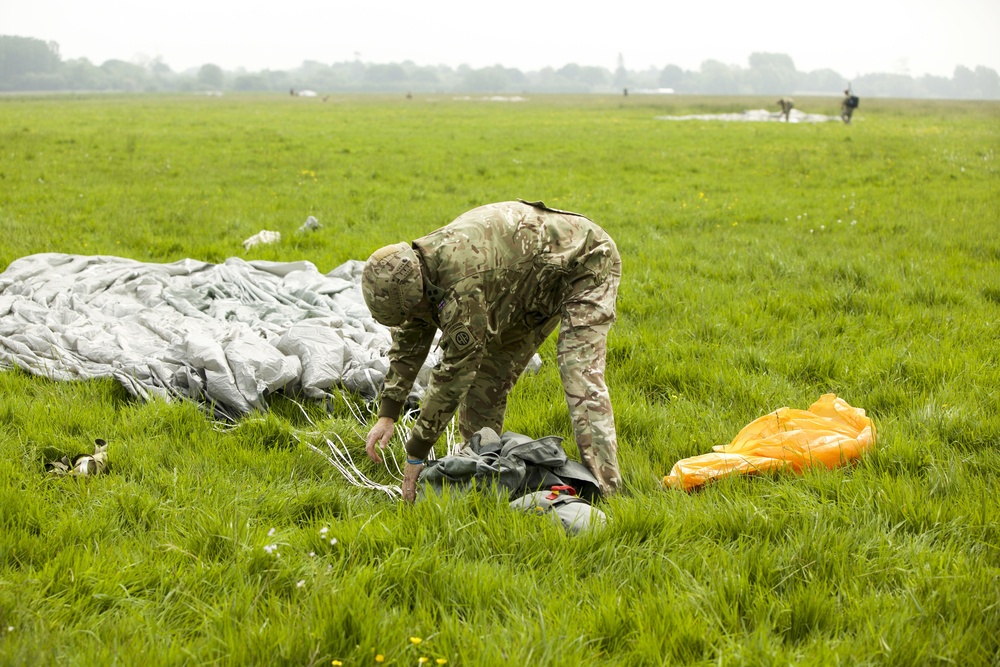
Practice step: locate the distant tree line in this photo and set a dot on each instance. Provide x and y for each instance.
(29, 64)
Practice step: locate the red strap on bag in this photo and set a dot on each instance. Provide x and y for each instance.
(556, 490)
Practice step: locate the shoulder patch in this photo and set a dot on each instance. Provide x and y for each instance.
(461, 337)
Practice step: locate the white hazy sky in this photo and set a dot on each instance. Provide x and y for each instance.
(851, 37)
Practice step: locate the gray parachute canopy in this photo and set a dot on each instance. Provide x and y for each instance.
(224, 334)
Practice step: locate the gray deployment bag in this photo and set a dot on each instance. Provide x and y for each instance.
(573, 512)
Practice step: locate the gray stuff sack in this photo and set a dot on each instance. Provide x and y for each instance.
(574, 513)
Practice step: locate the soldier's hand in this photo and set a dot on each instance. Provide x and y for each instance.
(410, 474)
(379, 435)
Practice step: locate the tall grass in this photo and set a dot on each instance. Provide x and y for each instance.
(764, 265)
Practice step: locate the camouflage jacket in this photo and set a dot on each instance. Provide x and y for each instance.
(498, 267)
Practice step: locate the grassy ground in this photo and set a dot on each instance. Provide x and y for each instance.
(764, 265)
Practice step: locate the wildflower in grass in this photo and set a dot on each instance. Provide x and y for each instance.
(312, 554)
(441, 661)
(300, 583)
(271, 549)
(324, 530)
(336, 663)
(333, 541)
(415, 640)
(379, 658)
(270, 533)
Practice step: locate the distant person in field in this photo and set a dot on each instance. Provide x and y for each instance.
(786, 104)
(848, 106)
(496, 282)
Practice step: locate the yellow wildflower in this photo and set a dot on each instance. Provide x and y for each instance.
(336, 663)
(415, 640)
(380, 658)
(441, 661)
(422, 660)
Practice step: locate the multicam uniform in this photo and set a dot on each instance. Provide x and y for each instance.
(498, 280)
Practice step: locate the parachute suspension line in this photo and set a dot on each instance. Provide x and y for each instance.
(339, 456)
(342, 462)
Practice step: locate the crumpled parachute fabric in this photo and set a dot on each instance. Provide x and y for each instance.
(535, 473)
(515, 463)
(226, 335)
(830, 433)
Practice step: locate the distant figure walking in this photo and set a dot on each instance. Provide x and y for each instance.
(848, 106)
(786, 104)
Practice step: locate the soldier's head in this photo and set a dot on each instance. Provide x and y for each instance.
(392, 284)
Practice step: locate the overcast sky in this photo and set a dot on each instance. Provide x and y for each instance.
(853, 37)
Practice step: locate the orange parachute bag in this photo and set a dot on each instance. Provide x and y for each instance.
(829, 433)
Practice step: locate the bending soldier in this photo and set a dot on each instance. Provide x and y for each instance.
(786, 104)
(496, 282)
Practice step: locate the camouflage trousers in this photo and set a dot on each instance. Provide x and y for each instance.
(586, 315)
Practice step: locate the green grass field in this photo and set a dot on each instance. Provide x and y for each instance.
(764, 265)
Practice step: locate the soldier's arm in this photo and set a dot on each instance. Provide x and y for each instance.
(462, 342)
(411, 343)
